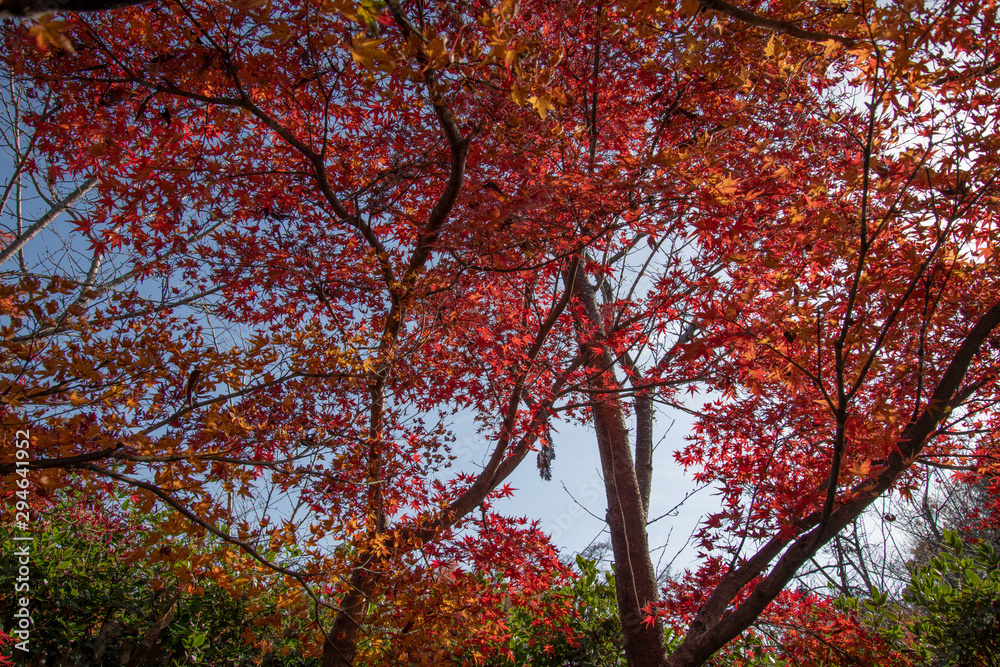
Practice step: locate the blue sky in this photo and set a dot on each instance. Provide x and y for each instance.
(571, 506)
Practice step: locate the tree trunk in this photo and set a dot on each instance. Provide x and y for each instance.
(341, 646)
(644, 448)
(635, 578)
(107, 627)
(146, 645)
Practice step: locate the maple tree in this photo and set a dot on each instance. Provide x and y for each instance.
(364, 217)
(276, 386)
(771, 369)
(847, 331)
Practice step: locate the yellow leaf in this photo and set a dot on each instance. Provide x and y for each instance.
(542, 105)
(508, 57)
(728, 186)
(437, 51)
(365, 52)
(519, 95)
(50, 33)
(830, 47)
(770, 48)
(860, 468)
(281, 32)
(345, 8)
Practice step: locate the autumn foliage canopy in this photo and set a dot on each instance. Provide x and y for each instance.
(304, 239)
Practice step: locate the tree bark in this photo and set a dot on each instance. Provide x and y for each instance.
(635, 578)
(107, 627)
(644, 449)
(147, 643)
(341, 646)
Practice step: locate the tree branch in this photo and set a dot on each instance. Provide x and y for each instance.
(774, 25)
(30, 8)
